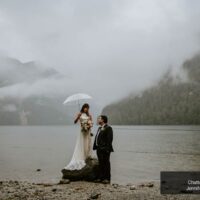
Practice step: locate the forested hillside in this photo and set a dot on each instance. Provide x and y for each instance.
(171, 101)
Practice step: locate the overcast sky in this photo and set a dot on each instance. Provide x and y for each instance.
(108, 48)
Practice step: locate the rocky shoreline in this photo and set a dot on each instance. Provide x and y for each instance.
(65, 189)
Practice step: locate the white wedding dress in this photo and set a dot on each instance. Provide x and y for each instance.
(82, 148)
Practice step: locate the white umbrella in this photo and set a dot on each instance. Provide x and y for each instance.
(76, 98)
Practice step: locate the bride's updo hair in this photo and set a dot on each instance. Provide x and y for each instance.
(86, 105)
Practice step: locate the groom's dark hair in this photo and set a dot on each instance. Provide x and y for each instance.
(104, 118)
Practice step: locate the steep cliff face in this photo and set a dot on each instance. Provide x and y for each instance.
(171, 101)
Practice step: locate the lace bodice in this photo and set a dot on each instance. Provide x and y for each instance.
(84, 118)
(86, 122)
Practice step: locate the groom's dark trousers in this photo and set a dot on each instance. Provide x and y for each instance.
(103, 146)
(104, 165)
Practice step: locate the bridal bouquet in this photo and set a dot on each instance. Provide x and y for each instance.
(86, 125)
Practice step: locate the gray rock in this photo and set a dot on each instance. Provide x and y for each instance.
(115, 185)
(141, 185)
(11, 182)
(17, 182)
(95, 195)
(132, 187)
(64, 181)
(87, 173)
(149, 185)
(45, 184)
(54, 189)
(11, 190)
(16, 195)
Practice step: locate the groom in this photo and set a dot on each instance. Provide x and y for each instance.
(103, 146)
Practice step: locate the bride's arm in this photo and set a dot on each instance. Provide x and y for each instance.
(90, 117)
(90, 120)
(77, 118)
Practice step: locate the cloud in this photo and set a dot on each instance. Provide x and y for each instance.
(109, 48)
(10, 108)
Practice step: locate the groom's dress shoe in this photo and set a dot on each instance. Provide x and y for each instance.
(106, 181)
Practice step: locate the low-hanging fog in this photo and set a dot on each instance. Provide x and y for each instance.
(106, 48)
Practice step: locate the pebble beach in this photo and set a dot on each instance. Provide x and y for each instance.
(23, 190)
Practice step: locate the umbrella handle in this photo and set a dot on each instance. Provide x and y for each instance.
(79, 105)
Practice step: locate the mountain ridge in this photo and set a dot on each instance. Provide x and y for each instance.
(33, 109)
(172, 101)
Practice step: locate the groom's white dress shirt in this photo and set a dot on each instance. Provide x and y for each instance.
(98, 133)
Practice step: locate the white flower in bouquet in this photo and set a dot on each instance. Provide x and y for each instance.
(86, 125)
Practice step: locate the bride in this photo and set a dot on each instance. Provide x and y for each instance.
(82, 149)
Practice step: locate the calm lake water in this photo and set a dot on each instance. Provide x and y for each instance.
(141, 152)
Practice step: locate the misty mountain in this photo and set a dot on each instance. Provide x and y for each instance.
(172, 101)
(34, 109)
(13, 71)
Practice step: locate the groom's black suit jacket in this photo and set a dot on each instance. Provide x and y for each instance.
(104, 139)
